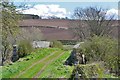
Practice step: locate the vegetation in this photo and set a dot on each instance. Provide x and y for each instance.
(30, 34)
(94, 70)
(24, 48)
(11, 33)
(11, 71)
(67, 47)
(92, 21)
(57, 70)
(68, 42)
(10, 28)
(101, 49)
(98, 45)
(57, 44)
(35, 69)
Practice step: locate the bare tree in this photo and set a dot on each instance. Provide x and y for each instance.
(30, 33)
(79, 29)
(91, 21)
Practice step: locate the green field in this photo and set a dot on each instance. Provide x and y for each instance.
(43, 63)
(57, 70)
(41, 59)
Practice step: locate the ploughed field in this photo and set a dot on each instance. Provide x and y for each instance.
(42, 63)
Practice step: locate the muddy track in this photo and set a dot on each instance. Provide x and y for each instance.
(34, 64)
(43, 68)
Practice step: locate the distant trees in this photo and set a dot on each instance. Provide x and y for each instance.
(30, 16)
(55, 17)
(30, 33)
(92, 21)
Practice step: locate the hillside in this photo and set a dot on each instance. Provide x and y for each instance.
(58, 29)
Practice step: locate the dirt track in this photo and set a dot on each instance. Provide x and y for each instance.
(35, 64)
(43, 68)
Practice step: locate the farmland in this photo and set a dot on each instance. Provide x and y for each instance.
(41, 59)
(49, 44)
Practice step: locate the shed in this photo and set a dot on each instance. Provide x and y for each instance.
(41, 44)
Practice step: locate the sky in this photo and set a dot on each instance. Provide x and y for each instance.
(65, 9)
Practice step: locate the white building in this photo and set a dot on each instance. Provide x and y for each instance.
(41, 44)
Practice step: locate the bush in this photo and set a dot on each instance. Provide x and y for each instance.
(68, 47)
(68, 42)
(57, 44)
(101, 49)
(94, 70)
(24, 48)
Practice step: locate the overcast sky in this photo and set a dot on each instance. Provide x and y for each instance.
(65, 9)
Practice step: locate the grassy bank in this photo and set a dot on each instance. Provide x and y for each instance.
(11, 71)
(57, 70)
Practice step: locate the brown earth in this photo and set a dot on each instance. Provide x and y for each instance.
(57, 29)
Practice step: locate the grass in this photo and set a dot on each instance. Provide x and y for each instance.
(57, 70)
(10, 71)
(34, 70)
(0, 72)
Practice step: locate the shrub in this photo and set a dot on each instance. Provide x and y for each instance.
(94, 70)
(101, 49)
(68, 42)
(68, 47)
(57, 44)
(24, 48)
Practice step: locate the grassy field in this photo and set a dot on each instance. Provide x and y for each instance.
(11, 71)
(57, 70)
(43, 63)
(35, 69)
(48, 58)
